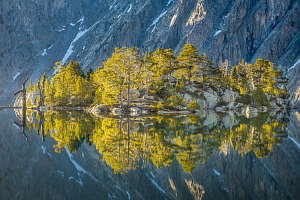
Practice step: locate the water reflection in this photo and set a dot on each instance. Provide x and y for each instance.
(127, 143)
(22, 116)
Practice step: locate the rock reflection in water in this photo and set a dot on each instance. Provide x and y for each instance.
(77, 172)
(127, 143)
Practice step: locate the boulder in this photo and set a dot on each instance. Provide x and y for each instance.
(229, 120)
(72, 99)
(229, 96)
(211, 118)
(98, 108)
(211, 100)
(134, 94)
(148, 97)
(231, 105)
(190, 88)
(133, 127)
(265, 109)
(186, 99)
(134, 111)
(273, 105)
(221, 109)
(280, 102)
(30, 98)
(213, 92)
(250, 112)
(117, 111)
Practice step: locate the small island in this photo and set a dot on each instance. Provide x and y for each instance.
(135, 83)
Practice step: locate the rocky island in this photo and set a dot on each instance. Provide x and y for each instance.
(134, 82)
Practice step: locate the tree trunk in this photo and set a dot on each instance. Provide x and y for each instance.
(128, 97)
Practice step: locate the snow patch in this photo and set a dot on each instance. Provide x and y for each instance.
(81, 20)
(156, 185)
(44, 149)
(130, 7)
(152, 174)
(82, 154)
(156, 20)
(80, 182)
(61, 30)
(71, 24)
(294, 65)
(44, 53)
(129, 197)
(78, 36)
(60, 172)
(14, 78)
(217, 33)
(169, 2)
(112, 4)
(216, 172)
(78, 167)
(50, 47)
(295, 142)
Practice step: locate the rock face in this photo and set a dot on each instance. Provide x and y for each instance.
(30, 98)
(36, 34)
(211, 100)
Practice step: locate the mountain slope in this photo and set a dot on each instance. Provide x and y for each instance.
(36, 34)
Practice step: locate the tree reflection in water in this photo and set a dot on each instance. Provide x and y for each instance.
(129, 142)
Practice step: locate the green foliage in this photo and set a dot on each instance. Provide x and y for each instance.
(160, 106)
(260, 97)
(160, 73)
(174, 100)
(158, 139)
(194, 105)
(245, 99)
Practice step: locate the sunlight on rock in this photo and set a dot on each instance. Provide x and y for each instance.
(198, 14)
(297, 116)
(196, 189)
(173, 186)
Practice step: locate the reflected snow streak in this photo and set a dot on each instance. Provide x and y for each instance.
(129, 142)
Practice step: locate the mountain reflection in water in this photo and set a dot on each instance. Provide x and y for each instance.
(128, 142)
(73, 155)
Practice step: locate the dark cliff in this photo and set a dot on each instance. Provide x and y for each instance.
(36, 34)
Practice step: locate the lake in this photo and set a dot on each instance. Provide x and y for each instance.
(74, 155)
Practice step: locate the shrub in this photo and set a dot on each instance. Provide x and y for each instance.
(194, 105)
(260, 97)
(245, 99)
(174, 100)
(159, 106)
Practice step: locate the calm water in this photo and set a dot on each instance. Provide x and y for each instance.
(73, 155)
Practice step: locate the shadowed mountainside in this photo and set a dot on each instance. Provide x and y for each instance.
(36, 34)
